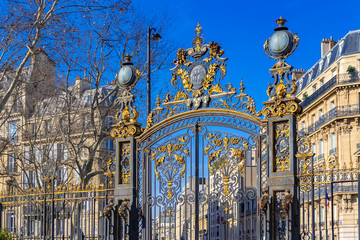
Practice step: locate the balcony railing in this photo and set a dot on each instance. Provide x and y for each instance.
(340, 111)
(340, 79)
(323, 89)
(332, 151)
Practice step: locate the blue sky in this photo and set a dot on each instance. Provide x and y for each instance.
(241, 28)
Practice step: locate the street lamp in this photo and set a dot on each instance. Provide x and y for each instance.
(150, 37)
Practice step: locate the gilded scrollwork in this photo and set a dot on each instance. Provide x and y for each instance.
(282, 146)
(226, 158)
(279, 108)
(110, 171)
(196, 78)
(169, 168)
(127, 117)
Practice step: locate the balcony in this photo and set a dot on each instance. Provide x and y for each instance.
(340, 111)
(336, 80)
(332, 151)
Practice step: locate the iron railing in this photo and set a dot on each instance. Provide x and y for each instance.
(323, 89)
(336, 80)
(340, 111)
(64, 212)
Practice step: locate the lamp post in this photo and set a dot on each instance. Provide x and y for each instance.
(150, 37)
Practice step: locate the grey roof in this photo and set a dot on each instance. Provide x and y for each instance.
(56, 104)
(349, 44)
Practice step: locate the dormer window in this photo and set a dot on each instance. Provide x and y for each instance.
(314, 88)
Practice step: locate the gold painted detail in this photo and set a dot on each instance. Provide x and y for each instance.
(109, 172)
(197, 78)
(127, 117)
(264, 201)
(285, 204)
(108, 209)
(170, 165)
(226, 157)
(280, 108)
(126, 130)
(123, 209)
(197, 75)
(282, 147)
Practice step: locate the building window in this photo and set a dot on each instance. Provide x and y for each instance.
(332, 104)
(33, 129)
(109, 144)
(321, 149)
(10, 221)
(47, 127)
(302, 125)
(332, 143)
(313, 119)
(11, 164)
(85, 122)
(29, 179)
(90, 99)
(322, 215)
(314, 88)
(62, 152)
(13, 132)
(38, 154)
(62, 176)
(62, 123)
(321, 82)
(108, 122)
(320, 113)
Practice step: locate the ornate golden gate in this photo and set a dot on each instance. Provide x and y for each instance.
(196, 171)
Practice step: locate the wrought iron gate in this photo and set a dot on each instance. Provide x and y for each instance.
(196, 171)
(201, 178)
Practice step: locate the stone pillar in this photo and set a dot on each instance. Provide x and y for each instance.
(126, 225)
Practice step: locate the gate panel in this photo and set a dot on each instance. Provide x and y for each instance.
(201, 183)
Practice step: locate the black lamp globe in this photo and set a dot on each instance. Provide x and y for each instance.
(281, 42)
(127, 74)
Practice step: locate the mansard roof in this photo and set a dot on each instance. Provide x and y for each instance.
(349, 44)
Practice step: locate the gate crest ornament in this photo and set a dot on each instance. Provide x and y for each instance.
(196, 78)
(196, 68)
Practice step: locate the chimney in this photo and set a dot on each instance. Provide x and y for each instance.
(81, 85)
(297, 73)
(326, 45)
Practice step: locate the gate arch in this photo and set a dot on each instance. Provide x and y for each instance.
(198, 154)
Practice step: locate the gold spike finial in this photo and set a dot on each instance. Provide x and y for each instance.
(158, 101)
(242, 88)
(281, 21)
(127, 57)
(198, 29)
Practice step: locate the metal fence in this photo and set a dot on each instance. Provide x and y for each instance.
(65, 212)
(329, 206)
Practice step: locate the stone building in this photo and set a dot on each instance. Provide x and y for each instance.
(47, 133)
(330, 94)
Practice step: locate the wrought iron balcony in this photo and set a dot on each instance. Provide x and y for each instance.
(340, 111)
(323, 89)
(332, 151)
(336, 80)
